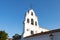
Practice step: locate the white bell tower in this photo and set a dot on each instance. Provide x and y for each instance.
(31, 24)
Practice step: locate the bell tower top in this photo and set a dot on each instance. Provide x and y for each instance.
(31, 24)
(31, 18)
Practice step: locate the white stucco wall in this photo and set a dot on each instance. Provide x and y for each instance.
(34, 28)
(56, 36)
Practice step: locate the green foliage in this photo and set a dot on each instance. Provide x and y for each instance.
(3, 35)
(17, 37)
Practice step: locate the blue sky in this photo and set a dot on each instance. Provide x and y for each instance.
(12, 14)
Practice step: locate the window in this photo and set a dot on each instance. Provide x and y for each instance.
(32, 32)
(32, 22)
(51, 36)
(36, 23)
(32, 13)
(27, 20)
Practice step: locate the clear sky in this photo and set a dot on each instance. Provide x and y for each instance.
(12, 14)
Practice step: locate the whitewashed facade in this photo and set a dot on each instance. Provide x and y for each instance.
(50, 35)
(31, 25)
(32, 31)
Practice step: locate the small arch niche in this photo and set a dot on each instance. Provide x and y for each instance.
(32, 21)
(27, 20)
(35, 23)
(32, 32)
(27, 29)
(32, 13)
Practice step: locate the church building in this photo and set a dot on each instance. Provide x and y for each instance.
(32, 30)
